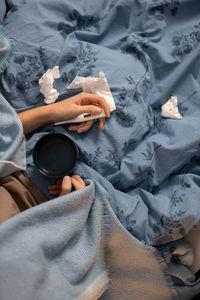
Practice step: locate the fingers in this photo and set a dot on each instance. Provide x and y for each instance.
(91, 109)
(88, 100)
(66, 186)
(55, 192)
(83, 127)
(62, 187)
(78, 182)
(55, 189)
(102, 123)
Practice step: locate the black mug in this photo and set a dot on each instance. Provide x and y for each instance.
(55, 155)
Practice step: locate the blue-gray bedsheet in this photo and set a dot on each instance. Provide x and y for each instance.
(149, 51)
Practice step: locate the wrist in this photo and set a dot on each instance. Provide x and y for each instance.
(48, 113)
(59, 112)
(36, 118)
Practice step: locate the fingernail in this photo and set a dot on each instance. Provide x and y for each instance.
(98, 110)
(66, 179)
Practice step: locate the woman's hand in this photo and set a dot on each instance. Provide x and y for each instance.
(66, 110)
(79, 104)
(64, 186)
(85, 126)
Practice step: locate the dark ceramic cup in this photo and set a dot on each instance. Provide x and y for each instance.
(55, 155)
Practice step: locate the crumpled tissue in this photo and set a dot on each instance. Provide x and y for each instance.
(46, 82)
(170, 109)
(95, 85)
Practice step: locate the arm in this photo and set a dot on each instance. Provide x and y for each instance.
(61, 111)
(35, 118)
(65, 110)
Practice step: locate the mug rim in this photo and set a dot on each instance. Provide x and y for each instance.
(40, 169)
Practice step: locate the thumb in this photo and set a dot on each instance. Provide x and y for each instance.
(66, 186)
(91, 109)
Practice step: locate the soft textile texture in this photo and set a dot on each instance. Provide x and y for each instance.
(3, 9)
(68, 247)
(12, 141)
(147, 54)
(148, 164)
(17, 193)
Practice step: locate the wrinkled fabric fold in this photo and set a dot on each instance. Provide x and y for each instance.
(73, 247)
(17, 193)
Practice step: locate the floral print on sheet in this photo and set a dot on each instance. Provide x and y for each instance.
(163, 6)
(126, 220)
(173, 225)
(91, 159)
(123, 97)
(82, 64)
(111, 158)
(186, 42)
(76, 22)
(159, 8)
(145, 176)
(30, 68)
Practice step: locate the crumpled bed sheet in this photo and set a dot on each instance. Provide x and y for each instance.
(149, 165)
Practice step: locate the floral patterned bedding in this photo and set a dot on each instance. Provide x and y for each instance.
(149, 51)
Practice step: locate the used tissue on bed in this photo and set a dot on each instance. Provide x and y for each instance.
(95, 85)
(170, 109)
(46, 82)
